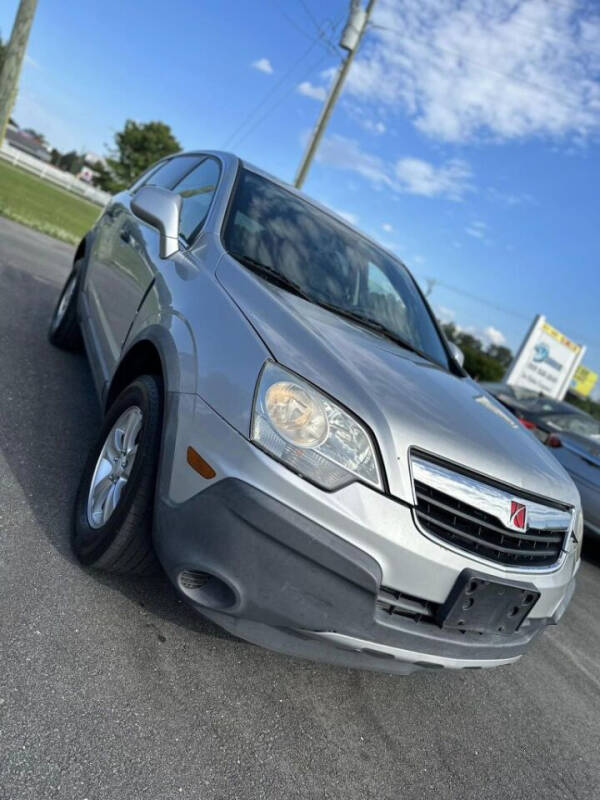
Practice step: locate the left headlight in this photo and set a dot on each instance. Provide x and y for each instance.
(311, 434)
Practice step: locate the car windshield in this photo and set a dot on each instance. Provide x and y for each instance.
(328, 263)
(574, 423)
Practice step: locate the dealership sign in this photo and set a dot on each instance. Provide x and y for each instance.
(583, 381)
(546, 362)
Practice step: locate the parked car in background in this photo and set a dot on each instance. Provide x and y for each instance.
(573, 435)
(289, 431)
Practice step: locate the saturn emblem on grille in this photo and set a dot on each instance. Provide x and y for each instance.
(518, 516)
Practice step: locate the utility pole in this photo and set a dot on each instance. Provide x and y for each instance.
(350, 41)
(13, 59)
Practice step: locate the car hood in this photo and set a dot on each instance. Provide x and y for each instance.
(408, 402)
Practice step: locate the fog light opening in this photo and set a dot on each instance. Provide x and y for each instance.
(206, 589)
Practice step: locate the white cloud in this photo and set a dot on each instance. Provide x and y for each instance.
(387, 227)
(510, 198)
(342, 153)
(263, 65)
(477, 229)
(310, 90)
(347, 215)
(421, 177)
(494, 336)
(407, 175)
(31, 62)
(362, 115)
(470, 69)
(489, 335)
(373, 127)
(445, 314)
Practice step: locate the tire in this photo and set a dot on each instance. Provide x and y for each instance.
(64, 331)
(120, 540)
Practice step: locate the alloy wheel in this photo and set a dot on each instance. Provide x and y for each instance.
(113, 467)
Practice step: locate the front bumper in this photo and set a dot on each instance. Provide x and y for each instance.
(299, 570)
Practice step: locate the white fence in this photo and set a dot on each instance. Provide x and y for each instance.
(53, 174)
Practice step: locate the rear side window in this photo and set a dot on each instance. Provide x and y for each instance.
(197, 190)
(172, 171)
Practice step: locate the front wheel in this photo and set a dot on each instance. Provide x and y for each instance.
(64, 329)
(112, 526)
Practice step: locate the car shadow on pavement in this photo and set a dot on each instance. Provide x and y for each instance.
(49, 418)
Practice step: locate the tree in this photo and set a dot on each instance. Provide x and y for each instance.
(104, 179)
(138, 146)
(585, 404)
(71, 162)
(481, 365)
(501, 354)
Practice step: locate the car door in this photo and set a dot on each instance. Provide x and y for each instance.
(124, 263)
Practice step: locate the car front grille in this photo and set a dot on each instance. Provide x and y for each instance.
(449, 517)
(478, 532)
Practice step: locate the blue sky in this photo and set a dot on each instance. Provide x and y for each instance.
(467, 138)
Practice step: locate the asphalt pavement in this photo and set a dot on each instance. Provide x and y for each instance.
(111, 688)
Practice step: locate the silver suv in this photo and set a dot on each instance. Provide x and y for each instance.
(288, 432)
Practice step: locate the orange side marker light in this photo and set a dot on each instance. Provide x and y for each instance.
(198, 464)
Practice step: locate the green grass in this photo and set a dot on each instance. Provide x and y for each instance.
(43, 206)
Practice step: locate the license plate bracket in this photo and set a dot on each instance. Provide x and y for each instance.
(478, 603)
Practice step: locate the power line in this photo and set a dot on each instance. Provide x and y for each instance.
(278, 102)
(320, 27)
(310, 15)
(322, 39)
(281, 81)
(508, 311)
(269, 94)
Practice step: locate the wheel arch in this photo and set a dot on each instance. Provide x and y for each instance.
(82, 249)
(142, 358)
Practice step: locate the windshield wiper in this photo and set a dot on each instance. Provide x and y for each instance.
(374, 325)
(272, 274)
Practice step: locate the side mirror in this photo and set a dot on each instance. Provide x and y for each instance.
(161, 209)
(457, 354)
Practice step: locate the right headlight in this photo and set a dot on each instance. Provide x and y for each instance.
(310, 433)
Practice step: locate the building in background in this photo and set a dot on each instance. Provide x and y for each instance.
(27, 142)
